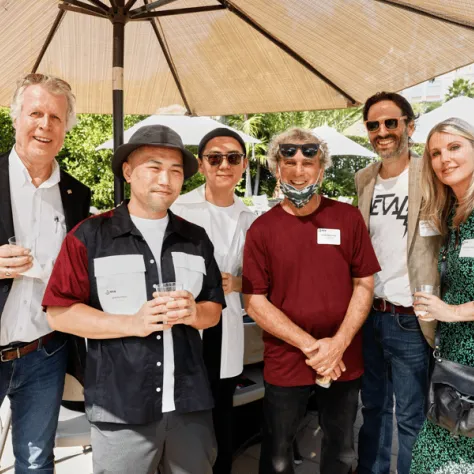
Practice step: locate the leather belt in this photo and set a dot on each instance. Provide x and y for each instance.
(385, 306)
(11, 353)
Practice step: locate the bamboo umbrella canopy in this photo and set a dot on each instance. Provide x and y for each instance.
(219, 57)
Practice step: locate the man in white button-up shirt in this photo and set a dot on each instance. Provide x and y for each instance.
(40, 203)
(226, 219)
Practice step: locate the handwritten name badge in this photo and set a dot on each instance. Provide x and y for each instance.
(467, 249)
(329, 236)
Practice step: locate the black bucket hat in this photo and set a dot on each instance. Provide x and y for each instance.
(154, 135)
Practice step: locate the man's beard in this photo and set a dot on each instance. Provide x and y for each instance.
(394, 153)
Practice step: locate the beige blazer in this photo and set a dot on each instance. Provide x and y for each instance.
(422, 256)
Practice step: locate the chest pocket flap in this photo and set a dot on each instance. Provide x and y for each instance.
(121, 284)
(189, 270)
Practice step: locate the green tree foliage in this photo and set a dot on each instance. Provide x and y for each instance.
(7, 133)
(339, 180)
(78, 155)
(460, 87)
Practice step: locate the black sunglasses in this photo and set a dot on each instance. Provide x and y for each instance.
(390, 123)
(216, 159)
(289, 150)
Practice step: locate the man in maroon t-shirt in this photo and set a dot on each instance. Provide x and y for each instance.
(308, 282)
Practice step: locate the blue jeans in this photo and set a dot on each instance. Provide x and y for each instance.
(396, 360)
(34, 384)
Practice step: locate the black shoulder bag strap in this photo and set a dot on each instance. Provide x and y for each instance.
(443, 286)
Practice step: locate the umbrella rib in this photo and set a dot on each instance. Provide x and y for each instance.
(49, 38)
(433, 16)
(100, 5)
(80, 10)
(129, 5)
(243, 16)
(150, 6)
(170, 65)
(177, 11)
(83, 6)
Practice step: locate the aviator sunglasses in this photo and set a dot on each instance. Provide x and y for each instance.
(289, 150)
(216, 159)
(390, 123)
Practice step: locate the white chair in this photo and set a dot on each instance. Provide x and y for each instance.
(4, 428)
(73, 427)
(253, 353)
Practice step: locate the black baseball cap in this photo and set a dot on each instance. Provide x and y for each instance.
(220, 132)
(154, 135)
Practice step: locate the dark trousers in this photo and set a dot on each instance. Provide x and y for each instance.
(283, 410)
(396, 362)
(223, 392)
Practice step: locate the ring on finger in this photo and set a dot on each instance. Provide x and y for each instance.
(7, 272)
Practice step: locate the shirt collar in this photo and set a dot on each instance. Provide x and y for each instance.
(198, 196)
(122, 223)
(21, 176)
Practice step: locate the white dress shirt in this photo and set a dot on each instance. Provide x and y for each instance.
(227, 230)
(39, 223)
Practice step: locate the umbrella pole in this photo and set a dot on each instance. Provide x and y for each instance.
(117, 84)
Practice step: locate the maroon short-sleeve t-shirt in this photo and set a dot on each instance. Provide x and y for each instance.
(310, 282)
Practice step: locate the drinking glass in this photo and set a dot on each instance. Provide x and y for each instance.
(164, 289)
(432, 290)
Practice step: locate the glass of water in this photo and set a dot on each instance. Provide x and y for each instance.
(432, 290)
(164, 289)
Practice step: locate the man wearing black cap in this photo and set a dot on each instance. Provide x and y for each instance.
(226, 220)
(146, 389)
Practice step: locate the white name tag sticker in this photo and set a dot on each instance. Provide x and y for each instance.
(329, 236)
(467, 249)
(427, 229)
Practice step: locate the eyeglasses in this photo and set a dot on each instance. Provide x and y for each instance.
(390, 123)
(289, 150)
(216, 159)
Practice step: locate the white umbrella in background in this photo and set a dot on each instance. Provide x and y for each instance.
(357, 129)
(190, 129)
(459, 107)
(339, 145)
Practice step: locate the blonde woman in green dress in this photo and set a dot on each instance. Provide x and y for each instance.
(448, 186)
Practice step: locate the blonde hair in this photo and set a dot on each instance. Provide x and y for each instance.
(301, 135)
(52, 84)
(439, 198)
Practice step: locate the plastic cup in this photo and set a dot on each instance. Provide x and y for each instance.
(432, 290)
(20, 243)
(164, 289)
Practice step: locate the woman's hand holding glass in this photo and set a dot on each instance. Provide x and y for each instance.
(435, 308)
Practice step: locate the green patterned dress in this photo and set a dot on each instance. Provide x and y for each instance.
(435, 450)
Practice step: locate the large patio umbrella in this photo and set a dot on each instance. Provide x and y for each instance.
(460, 107)
(218, 57)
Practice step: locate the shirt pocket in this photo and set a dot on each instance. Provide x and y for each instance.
(189, 271)
(121, 283)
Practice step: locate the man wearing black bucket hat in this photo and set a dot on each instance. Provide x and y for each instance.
(146, 389)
